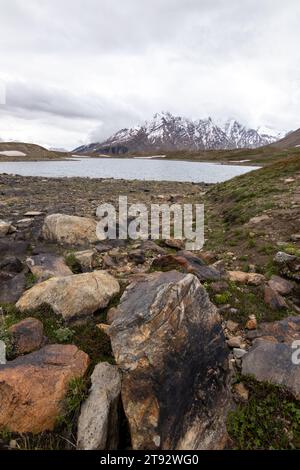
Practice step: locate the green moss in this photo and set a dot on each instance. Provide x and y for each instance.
(72, 262)
(223, 298)
(31, 280)
(269, 420)
(77, 393)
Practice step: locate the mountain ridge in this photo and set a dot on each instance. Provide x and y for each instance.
(166, 132)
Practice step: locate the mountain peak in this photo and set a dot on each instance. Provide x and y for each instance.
(166, 132)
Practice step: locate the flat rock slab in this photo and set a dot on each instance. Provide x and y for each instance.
(271, 362)
(168, 341)
(32, 387)
(48, 265)
(253, 279)
(98, 421)
(73, 297)
(69, 230)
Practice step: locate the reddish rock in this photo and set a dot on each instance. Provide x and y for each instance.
(273, 299)
(32, 387)
(280, 285)
(27, 335)
(286, 330)
(241, 277)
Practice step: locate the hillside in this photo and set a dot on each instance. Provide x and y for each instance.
(290, 140)
(20, 151)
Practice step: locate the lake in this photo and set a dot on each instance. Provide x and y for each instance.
(130, 169)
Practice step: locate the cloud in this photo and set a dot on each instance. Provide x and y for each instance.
(80, 70)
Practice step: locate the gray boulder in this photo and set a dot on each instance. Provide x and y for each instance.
(98, 421)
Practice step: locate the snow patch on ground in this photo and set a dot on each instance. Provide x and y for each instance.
(13, 153)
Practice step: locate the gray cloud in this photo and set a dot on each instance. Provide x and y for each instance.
(79, 70)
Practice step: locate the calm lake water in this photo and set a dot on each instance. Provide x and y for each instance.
(130, 169)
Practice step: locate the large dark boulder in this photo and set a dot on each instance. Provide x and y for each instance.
(168, 341)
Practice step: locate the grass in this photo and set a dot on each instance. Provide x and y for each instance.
(31, 280)
(72, 262)
(269, 420)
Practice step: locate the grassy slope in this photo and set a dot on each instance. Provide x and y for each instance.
(33, 152)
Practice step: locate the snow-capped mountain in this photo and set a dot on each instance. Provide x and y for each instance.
(166, 132)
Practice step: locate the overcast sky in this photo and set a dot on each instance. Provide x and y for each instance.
(79, 70)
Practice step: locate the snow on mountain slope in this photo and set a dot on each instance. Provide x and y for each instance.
(166, 132)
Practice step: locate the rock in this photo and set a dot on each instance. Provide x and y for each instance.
(286, 330)
(251, 323)
(108, 262)
(5, 228)
(252, 279)
(235, 342)
(137, 256)
(168, 341)
(33, 214)
(87, 259)
(208, 256)
(272, 362)
(188, 263)
(11, 287)
(289, 265)
(112, 315)
(11, 264)
(241, 391)
(280, 285)
(152, 247)
(103, 247)
(32, 387)
(27, 335)
(295, 237)
(239, 353)
(13, 247)
(47, 265)
(218, 287)
(73, 297)
(258, 219)
(24, 223)
(2, 352)
(232, 326)
(273, 299)
(289, 180)
(98, 420)
(176, 244)
(70, 230)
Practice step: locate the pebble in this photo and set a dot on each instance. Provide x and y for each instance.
(239, 353)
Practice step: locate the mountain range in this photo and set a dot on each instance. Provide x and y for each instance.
(166, 132)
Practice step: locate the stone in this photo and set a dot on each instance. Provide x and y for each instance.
(2, 352)
(232, 326)
(252, 279)
(272, 362)
(32, 387)
(152, 247)
(48, 265)
(251, 323)
(4, 228)
(87, 259)
(103, 247)
(218, 287)
(273, 299)
(98, 421)
(168, 341)
(73, 297)
(241, 391)
(27, 335)
(289, 180)
(295, 237)
(239, 353)
(11, 264)
(137, 256)
(286, 330)
(174, 243)
(188, 263)
(33, 214)
(24, 223)
(11, 287)
(289, 265)
(258, 219)
(280, 285)
(235, 342)
(112, 315)
(69, 230)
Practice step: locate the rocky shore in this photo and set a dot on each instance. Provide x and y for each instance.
(136, 344)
